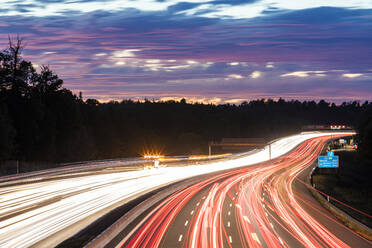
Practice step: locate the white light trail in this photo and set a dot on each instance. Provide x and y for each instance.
(33, 212)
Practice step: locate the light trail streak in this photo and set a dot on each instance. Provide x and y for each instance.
(262, 188)
(30, 213)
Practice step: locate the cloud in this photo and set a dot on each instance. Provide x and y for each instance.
(125, 53)
(182, 6)
(193, 99)
(352, 75)
(235, 101)
(270, 65)
(235, 76)
(100, 54)
(236, 9)
(59, 8)
(178, 46)
(120, 63)
(46, 53)
(235, 2)
(255, 74)
(303, 74)
(234, 63)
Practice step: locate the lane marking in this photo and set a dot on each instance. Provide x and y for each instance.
(180, 238)
(246, 219)
(280, 240)
(230, 205)
(255, 237)
(187, 222)
(228, 223)
(270, 208)
(192, 212)
(230, 239)
(229, 213)
(238, 206)
(197, 204)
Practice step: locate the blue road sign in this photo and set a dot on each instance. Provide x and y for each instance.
(331, 154)
(328, 162)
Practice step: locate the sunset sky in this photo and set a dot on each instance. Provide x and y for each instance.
(216, 51)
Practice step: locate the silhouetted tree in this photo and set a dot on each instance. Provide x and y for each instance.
(365, 132)
(15, 73)
(7, 134)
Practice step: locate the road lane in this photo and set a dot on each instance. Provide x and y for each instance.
(257, 206)
(31, 212)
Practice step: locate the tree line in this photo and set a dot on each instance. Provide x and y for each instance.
(40, 120)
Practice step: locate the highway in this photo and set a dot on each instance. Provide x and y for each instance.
(266, 205)
(252, 204)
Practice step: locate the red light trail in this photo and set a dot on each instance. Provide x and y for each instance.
(261, 205)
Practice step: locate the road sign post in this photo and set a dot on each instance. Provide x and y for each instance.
(328, 162)
(270, 151)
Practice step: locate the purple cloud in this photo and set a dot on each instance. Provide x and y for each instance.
(132, 53)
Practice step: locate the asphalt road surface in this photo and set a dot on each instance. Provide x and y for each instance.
(44, 209)
(265, 205)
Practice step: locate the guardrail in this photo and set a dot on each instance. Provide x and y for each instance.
(346, 219)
